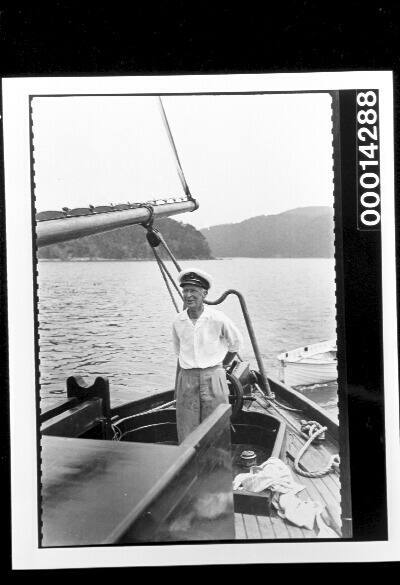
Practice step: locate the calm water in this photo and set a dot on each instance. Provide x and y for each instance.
(114, 318)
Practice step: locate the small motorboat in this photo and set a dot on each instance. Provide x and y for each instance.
(310, 364)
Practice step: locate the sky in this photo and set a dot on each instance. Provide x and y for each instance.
(242, 155)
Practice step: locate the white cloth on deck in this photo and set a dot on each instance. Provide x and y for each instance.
(273, 474)
(276, 476)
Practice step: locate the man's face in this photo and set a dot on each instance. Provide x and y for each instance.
(193, 296)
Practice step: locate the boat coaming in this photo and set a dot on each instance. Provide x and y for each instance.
(268, 431)
(261, 433)
(254, 518)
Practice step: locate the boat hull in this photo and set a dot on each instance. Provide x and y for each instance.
(158, 491)
(304, 374)
(311, 364)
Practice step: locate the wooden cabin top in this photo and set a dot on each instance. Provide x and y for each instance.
(99, 492)
(93, 488)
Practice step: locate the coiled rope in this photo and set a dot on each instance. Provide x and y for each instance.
(312, 431)
(316, 430)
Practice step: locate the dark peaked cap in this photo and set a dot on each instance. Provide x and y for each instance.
(195, 277)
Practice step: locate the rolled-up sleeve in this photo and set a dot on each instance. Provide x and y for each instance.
(232, 335)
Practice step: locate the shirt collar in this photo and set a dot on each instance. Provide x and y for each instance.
(205, 314)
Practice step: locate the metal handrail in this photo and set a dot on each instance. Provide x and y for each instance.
(250, 330)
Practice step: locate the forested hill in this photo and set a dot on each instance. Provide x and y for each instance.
(130, 242)
(305, 232)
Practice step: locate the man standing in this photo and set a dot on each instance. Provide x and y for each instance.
(205, 340)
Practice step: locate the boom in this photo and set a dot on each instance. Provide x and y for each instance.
(53, 227)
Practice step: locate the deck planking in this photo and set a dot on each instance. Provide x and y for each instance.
(249, 527)
(252, 527)
(315, 457)
(325, 490)
(294, 531)
(267, 529)
(316, 490)
(240, 529)
(279, 526)
(315, 463)
(331, 481)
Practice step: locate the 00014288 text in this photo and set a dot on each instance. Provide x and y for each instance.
(368, 161)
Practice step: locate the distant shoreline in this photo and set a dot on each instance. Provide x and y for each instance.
(186, 259)
(117, 259)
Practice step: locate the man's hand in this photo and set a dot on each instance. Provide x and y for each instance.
(228, 359)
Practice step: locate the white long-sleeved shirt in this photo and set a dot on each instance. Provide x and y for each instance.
(205, 343)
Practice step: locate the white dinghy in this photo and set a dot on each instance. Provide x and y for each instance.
(310, 364)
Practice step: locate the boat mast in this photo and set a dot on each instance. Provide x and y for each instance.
(174, 151)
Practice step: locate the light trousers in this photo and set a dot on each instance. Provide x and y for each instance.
(198, 392)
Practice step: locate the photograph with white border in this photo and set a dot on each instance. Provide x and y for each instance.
(256, 165)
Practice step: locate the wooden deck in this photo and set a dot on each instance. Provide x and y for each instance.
(252, 527)
(325, 490)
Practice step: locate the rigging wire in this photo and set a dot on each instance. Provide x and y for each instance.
(169, 252)
(174, 151)
(164, 267)
(164, 272)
